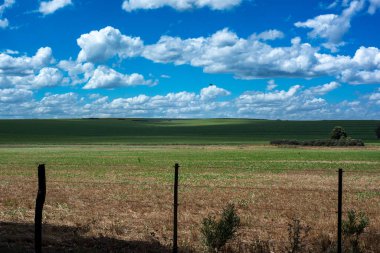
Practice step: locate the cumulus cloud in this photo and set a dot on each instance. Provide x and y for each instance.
(58, 106)
(4, 23)
(294, 103)
(323, 89)
(332, 27)
(23, 64)
(98, 46)
(213, 92)
(226, 52)
(29, 72)
(49, 7)
(14, 95)
(269, 35)
(131, 5)
(104, 77)
(47, 77)
(269, 97)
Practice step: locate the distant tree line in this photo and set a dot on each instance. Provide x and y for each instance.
(338, 137)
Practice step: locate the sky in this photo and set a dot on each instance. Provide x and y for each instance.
(266, 59)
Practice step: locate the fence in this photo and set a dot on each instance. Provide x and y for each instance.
(179, 200)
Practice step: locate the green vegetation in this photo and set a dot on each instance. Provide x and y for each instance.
(199, 164)
(338, 133)
(353, 227)
(377, 131)
(338, 137)
(216, 233)
(170, 131)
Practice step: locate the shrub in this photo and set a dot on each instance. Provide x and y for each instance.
(353, 228)
(260, 246)
(297, 234)
(217, 233)
(321, 143)
(338, 133)
(377, 131)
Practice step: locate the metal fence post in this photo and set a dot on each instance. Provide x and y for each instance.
(39, 206)
(175, 209)
(340, 193)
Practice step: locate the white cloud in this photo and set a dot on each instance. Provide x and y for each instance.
(270, 97)
(77, 71)
(225, 52)
(332, 27)
(4, 23)
(14, 95)
(323, 89)
(49, 7)
(58, 106)
(271, 85)
(374, 5)
(47, 77)
(294, 103)
(28, 72)
(270, 35)
(23, 65)
(181, 5)
(104, 77)
(106, 43)
(213, 92)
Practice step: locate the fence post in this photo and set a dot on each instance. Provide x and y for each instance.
(39, 206)
(175, 209)
(340, 193)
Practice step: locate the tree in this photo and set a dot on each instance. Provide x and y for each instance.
(378, 132)
(338, 133)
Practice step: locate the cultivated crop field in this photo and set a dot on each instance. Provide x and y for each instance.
(118, 196)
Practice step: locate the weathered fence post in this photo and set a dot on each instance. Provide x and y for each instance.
(39, 206)
(340, 193)
(175, 209)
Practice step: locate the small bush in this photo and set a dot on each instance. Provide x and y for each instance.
(353, 228)
(217, 233)
(297, 234)
(260, 246)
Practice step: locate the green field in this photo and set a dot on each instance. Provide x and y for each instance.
(166, 131)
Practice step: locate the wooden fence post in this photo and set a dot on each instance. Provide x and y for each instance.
(340, 193)
(175, 209)
(39, 206)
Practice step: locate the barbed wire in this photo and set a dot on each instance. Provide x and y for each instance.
(164, 185)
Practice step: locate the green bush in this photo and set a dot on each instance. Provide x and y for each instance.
(377, 131)
(321, 143)
(353, 228)
(338, 133)
(217, 233)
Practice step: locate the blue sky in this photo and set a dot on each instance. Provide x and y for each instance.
(190, 59)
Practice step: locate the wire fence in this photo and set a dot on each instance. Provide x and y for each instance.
(309, 207)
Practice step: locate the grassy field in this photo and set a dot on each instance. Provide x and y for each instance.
(164, 131)
(117, 197)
